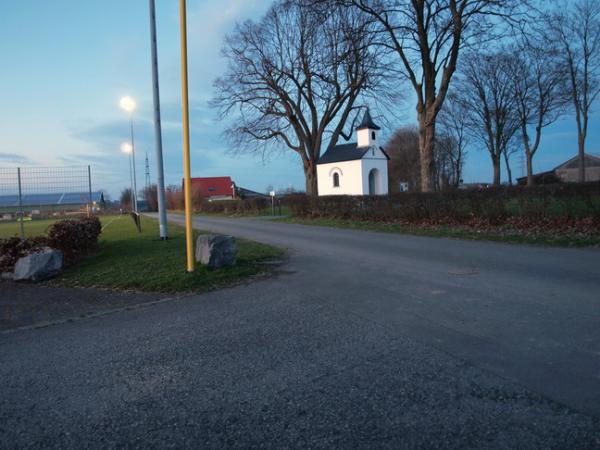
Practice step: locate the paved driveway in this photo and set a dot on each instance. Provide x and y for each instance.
(363, 340)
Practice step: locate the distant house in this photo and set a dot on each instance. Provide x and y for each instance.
(215, 188)
(245, 194)
(360, 168)
(568, 172)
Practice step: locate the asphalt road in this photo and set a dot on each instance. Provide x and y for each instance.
(362, 340)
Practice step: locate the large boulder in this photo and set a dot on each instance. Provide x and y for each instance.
(38, 266)
(216, 250)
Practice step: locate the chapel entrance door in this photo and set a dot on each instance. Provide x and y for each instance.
(373, 179)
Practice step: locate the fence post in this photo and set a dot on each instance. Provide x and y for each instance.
(90, 190)
(21, 204)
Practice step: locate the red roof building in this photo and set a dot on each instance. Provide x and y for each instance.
(214, 187)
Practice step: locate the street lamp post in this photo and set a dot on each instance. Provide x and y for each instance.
(128, 104)
(160, 181)
(126, 148)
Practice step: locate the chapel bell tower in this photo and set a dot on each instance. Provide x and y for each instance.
(367, 132)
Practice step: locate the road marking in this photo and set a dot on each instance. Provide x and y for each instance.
(72, 319)
(118, 218)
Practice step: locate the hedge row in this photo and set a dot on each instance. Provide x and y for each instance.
(248, 206)
(494, 205)
(75, 238)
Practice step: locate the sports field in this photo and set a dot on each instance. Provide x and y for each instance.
(31, 227)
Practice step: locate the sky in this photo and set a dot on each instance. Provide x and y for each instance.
(66, 64)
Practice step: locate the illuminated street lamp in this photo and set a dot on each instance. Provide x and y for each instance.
(128, 105)
(128, 149)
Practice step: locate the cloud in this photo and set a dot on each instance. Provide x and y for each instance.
(15, 158)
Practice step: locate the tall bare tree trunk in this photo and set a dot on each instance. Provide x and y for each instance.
(310, 174)
(508, 170)
(426, 147)
(529, 158)
(496, 164)
(581, 168)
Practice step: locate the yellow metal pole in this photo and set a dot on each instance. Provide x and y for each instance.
(187, 190)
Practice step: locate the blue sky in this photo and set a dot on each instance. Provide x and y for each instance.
(66, 63)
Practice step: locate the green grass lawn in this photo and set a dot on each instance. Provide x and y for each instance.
(452, 232)
(31, 227)
(128, 260)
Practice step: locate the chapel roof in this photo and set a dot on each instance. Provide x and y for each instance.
(367, 122)
(345, 152)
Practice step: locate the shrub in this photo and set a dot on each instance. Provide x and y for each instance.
(493, 205)
(75, 238)
(151, 197)
(13, 248)
(246, 206)
(174, 198)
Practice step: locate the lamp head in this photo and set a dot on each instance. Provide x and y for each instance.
(127, 104)
(126, 147)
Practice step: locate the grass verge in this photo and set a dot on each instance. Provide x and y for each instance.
(499, 235)
(128, 260)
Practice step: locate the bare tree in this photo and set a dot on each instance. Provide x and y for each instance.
(485, 88)
(453, 127)
(125, 198)
(298, 76)
(427, 36)
(197, 199)
(537, 81)
(151, 196)
(511, 148)
(174, 197)
(404, 166)
(576, 26)
(448, 162)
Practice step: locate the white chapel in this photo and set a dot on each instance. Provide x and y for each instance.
(360, 168)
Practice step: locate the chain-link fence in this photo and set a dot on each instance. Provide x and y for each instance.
(32, 193)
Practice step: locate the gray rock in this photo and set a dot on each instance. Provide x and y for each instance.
(38, 266)
(216, 250)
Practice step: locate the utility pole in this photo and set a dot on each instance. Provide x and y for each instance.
(147, 172)
(160, 185)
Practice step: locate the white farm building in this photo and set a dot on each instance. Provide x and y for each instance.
(359, 168)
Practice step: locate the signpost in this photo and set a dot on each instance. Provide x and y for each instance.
(272, 194)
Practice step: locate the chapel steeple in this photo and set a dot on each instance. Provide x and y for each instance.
(367, 130)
